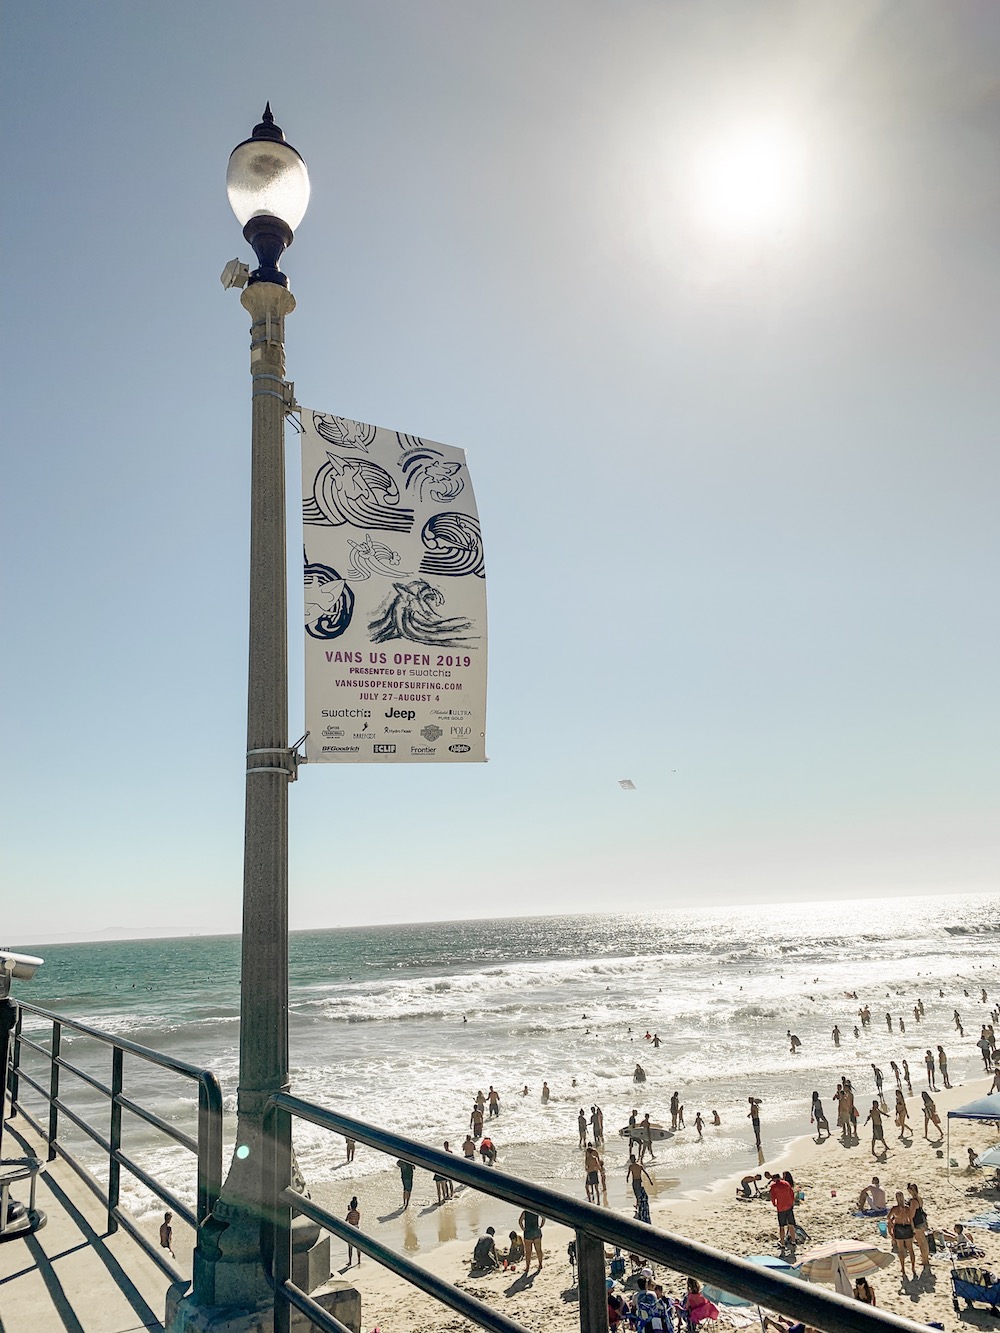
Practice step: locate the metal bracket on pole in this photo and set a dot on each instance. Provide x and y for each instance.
(284, 761)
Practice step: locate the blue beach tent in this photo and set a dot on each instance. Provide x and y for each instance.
(983, 1108)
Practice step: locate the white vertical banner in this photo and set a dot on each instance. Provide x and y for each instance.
(395, 598)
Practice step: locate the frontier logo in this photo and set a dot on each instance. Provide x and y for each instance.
(384, 749)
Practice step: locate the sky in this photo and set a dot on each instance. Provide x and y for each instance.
(711, 296)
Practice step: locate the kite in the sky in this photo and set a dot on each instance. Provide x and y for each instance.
(626, 784)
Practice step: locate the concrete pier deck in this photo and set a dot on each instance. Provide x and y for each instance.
(71, 1276)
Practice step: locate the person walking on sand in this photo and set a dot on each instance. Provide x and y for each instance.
(879, 1079)
(406, 1177)
(896, 1074)
(634, 1173)
(906, 1077)
(351, 1147)
(753, 1115)
(530, 1226)
(593, 1166)
(901, 1113)
(899, 1224)
(167, 1234)
(929, 1066)
(817, 1116)
(581, 1124)
(943, 1066)
(353, 1219)
(878, 1133)
(931, 1116)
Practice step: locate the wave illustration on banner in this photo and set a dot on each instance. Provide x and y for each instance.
(454, 546)
(371, 557)
(339, 430)
(395, 597)
(430, 475)
(355, 491)
(329, 602)
(409, 613)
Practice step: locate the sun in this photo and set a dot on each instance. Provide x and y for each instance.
(750, 181)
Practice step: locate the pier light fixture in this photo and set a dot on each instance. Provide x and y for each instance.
(268, 187)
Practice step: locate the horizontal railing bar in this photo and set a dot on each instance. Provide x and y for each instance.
(80, 1123)
(82, 1074)
(133, 1048)
(789, 1296)
(42, 1050)
(321, 1319)
(470, 1306)
(161, 1192)
(32, 1083)
(151, 1118)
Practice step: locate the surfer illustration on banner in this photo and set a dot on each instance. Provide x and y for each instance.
(395, 597)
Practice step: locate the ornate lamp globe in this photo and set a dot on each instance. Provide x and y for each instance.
(268, 187)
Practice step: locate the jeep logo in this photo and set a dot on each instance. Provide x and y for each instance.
(401, 712)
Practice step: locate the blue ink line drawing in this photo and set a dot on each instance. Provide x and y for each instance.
(410, 613)
(371, 557)
(454, 545)
(430, 476)
(355, 491)
(343, 432)
(329, 601)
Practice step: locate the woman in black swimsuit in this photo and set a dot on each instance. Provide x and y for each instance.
(900, 1224)
(919, 1224)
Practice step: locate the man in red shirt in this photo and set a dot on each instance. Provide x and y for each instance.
(783, 1197)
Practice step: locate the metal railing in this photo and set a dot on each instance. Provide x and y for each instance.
(593, 1227)
(207, 1147)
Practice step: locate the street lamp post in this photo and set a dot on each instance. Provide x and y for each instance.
(268, 188)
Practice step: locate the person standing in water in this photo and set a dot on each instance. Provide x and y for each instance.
(754, 1117)
(581, 1124)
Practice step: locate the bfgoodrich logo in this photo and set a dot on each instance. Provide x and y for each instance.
(459, 749)
(384, 749)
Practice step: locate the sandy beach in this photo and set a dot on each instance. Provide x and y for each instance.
(831, 1176)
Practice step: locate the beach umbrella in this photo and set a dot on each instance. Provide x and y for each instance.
(770, 1261)
(842, 1262)
(991, 1157)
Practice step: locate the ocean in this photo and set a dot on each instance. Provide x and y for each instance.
(402, 1024)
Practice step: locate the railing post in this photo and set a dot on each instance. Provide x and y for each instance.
(591, 1283)
(114, 1166)
(15, 1071)
(209, 1144)
(54, 1088)
(277, 1221)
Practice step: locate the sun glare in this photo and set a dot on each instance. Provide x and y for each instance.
(750, 182)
